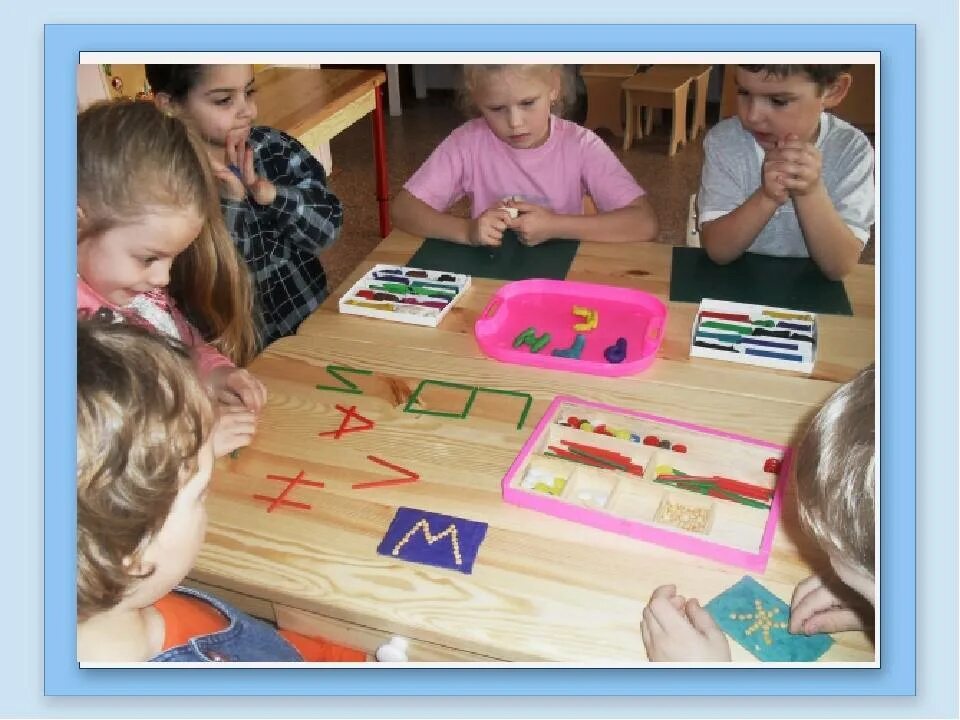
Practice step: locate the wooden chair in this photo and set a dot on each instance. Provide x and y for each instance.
(604, 97)
(654, 89)
(700, 82)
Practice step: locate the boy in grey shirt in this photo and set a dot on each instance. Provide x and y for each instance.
(784, 177)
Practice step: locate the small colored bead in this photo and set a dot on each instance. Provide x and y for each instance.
(600, 429)
(635, 438)
(772, 465)
(665, 444)
(573, 421)
(680, 448)
(651, 440)
(622, 434)
(586, 426)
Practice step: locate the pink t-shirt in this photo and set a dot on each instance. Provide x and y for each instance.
(573, 162)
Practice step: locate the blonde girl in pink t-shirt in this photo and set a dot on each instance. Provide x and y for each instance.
(524, 168)
(152, 250)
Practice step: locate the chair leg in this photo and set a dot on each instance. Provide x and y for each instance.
(628, 131)
(678, 135)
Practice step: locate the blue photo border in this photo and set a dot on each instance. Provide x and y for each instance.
(897, 674)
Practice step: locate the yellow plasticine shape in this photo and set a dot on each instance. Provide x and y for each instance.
(589, 316)
(665, 470)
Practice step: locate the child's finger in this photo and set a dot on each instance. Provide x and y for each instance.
(249, 173)
(804, 588)
(524, 206)
(699, 617)
(652, 622)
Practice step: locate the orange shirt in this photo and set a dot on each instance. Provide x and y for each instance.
(186, 617)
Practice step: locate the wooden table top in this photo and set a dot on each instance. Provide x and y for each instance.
(297, 99)
(542, 589)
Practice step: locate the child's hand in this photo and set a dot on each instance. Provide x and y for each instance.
(234, 429)
(237, 387)
(678, 630)
(799, 163)
(814, 608)
(231, 186)
(240, 155)
(488, 228)
(534, 224)
(773, 179)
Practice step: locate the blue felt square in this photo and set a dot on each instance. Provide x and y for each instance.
(432, 539)
(757, 619)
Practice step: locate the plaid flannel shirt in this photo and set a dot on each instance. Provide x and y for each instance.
(280, 241)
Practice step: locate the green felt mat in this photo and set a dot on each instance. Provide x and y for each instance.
(795, 283)
(511, 261)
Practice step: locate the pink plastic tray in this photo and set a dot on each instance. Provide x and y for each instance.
(547, 306)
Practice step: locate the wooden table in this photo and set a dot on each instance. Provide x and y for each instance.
(314, 105)
(543, 589)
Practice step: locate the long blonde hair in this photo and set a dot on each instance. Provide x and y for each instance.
(559, 77)
(132, 157)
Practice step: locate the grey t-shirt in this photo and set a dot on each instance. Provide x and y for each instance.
(731, 173)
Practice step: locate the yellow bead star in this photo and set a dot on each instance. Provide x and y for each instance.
(763, 620)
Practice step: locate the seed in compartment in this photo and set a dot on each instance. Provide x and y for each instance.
(685, 517)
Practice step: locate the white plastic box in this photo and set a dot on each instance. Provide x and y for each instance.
(426, 298)
(771, 337)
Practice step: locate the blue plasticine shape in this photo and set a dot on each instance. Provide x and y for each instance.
(574, 351)
(617, 352)
(439, 553)
(740, 599)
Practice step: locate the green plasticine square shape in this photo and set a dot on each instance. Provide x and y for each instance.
(740, 599)
(514, 393)
(756, 279)
(415, 396)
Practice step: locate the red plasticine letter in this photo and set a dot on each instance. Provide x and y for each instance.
(292, 482)
(348, 414)
(409, 477)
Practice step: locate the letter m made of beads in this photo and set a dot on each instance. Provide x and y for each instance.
(424, 527)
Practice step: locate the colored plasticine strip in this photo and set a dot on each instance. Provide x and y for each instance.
(770, 343)
(785, 315)
(722, 337)
(605, 462)
(756, 491)
(712, 346)
(438, 286)
(805, 327)
(774, 355)
(724, 316)
(391, 277)
(711, 325)
(783, 334)
(572, 457)
(600, 452)
(385, 307)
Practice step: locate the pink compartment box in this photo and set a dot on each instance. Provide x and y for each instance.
(634, 319)
(634, 486)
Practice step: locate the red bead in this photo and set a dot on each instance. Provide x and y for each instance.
(772, 465)
(601, 429)
(680, 448)
(573, 421)
(651, 440)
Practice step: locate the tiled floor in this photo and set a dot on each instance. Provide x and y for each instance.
(412, 136)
